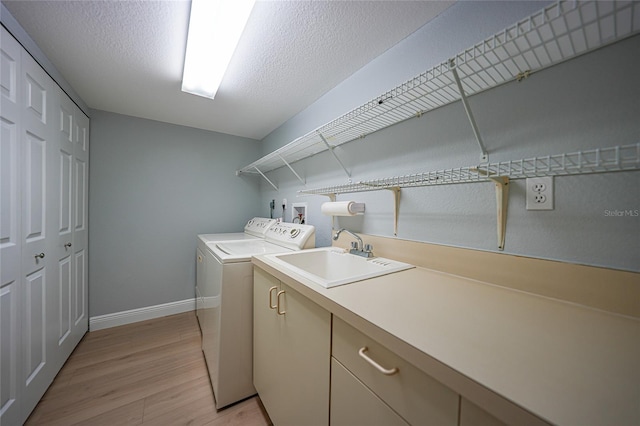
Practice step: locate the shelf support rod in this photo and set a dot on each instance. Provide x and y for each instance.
(266, 178)
(484, 156)
(335, 156)
(502, 201)
(293, 171)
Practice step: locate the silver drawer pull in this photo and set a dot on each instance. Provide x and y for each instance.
(271, 305)
(385, 371)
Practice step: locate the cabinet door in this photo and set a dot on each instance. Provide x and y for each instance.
(266, 335)
(353, 404)
(10, 241)
(291, 354)
(305, 365)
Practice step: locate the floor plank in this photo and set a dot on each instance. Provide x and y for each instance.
(151, 372)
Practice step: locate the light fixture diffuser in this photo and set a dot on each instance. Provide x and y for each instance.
(215, 27)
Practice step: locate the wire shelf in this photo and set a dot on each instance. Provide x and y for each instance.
(601, 160)
(555, 34)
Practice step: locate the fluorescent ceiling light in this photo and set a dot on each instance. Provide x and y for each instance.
(215, 27)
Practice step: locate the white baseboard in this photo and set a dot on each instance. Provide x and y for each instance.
(140, 314)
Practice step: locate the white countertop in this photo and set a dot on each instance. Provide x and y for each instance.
(566, 363)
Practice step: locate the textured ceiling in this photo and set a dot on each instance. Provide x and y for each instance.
(127, 56)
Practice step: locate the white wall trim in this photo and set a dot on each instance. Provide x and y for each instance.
(141, 314)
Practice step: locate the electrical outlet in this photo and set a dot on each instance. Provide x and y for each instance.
(540, 193)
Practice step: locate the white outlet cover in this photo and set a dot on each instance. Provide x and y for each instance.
(540, 193)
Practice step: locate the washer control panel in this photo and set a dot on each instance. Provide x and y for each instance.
(292, 235)
(258, 226)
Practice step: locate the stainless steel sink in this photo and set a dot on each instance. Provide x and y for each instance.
(332, 266)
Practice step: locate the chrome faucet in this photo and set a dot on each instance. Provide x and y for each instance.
(357, 247)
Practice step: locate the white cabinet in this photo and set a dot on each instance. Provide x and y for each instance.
(291, 363)
(413, 395)
(353, 404)
(43, 195)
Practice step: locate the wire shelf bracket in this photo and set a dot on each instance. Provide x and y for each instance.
(599, 160)
(292, 170)
(502, 202)
(266, 178)
(330, 148)
(484, 156)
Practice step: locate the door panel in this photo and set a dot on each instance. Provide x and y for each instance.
(64, 291)
(80, 294)
(35, 325)
(36, 96)
(35, 189)
(65, 192)
(80, 195)
(10, 230)
(9, 356)
(9, 201)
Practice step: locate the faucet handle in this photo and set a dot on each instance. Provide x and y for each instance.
(354, 245)
(368, 248)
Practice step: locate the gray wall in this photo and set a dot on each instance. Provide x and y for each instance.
(589, 102)
(153, 187)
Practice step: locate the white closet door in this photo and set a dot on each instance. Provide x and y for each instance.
(43, 230)
(39, 218)
(65, 124)
(80, 293)
(71, 229)
(10, 235)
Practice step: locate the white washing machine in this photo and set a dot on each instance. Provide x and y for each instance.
(253, 230)
(227, 322)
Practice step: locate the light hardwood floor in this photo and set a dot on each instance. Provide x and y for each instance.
(151, 372)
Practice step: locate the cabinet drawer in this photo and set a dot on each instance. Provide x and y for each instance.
(417, 397)
(353, 404)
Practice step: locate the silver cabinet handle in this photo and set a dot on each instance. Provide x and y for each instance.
(39, 256)
(385, 371)
(271, 305)
(67, 245)
(280, 293)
